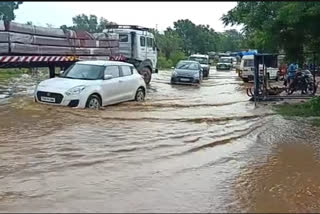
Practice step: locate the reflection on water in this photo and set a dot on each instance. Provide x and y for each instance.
(179, 151)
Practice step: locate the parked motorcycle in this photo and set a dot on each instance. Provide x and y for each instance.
(302, 81)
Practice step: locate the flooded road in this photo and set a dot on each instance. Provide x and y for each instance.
(185, 149)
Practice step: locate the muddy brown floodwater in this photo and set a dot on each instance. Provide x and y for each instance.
(185, 149)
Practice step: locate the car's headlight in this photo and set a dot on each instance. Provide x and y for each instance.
(196, 75)
(75, 90)
(174, 73)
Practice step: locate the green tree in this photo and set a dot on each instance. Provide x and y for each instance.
(103, 23)
(186, 31)
(196, 38)
(7, 10)
(88, 23)
(168, 43)
(274, 26)
(186, 38)
(231, 40)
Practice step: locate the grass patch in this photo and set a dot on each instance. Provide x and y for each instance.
(311, 108)
(12, 72)
(316, 122)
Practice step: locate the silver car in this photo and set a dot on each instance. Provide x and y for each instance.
(187, 72)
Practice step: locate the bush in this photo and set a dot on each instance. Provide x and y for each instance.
(177, 56)
(164, 63)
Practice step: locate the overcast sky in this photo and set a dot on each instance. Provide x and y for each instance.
(147, 14)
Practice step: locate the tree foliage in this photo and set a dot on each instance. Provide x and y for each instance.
(7, 10)
(187, 38)
(88, 23)
(275, 26)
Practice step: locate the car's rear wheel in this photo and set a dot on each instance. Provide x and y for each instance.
(140, 95)
(93, 102)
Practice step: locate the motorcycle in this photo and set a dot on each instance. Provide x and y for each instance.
(302, 81)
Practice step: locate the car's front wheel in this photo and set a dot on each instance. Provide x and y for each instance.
(93, 102)
(140, 95)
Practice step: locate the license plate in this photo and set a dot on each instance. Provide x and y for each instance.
(184, 79)
(48, 99)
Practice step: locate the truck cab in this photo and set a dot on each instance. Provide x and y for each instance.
(204, 62)
(137, 45)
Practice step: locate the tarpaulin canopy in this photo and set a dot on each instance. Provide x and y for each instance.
(250, 52)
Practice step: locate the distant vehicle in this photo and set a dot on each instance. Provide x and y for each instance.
(204, 62)
(225, 63)
(92, 84)
(187, 72)
(247, 69)
(234, 61)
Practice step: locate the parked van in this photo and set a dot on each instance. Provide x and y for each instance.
(247, 69)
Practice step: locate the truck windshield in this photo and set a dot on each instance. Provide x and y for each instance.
(248, 63)
(123, 38)
(85, 72)
(201, 60)
(225, 60)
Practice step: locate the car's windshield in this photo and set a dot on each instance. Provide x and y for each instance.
(83, 71)
(201, 60)
(187, 65)
(225, 60)
(248, 63)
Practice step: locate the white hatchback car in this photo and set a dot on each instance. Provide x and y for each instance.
(92, 84)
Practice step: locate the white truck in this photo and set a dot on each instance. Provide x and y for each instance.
(31, 46)
(137, 45)
(247, 69)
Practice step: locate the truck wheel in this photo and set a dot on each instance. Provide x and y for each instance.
(146, 73)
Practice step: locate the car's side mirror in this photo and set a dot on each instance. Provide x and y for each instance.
(172, 67)
(108, 76)
(61, 72)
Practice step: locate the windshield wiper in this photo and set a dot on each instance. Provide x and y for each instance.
(68, 77)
